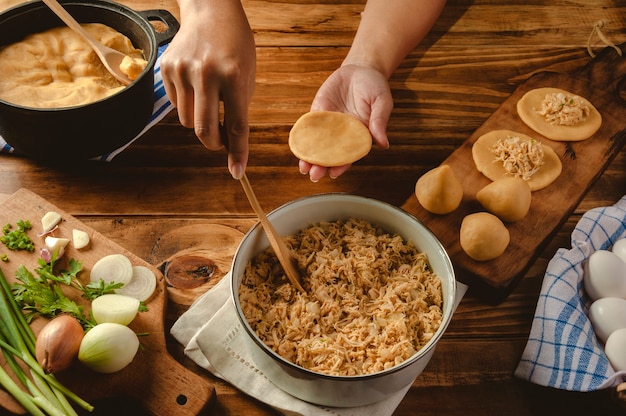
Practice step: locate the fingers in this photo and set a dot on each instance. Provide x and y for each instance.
(336, 171)
(237, 135)
(206, 119)
(380, 113)
(378, 130)
(197, 99)
(237, 125)
(316, 172)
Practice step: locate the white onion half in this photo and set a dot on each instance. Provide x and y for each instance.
(114, 308)
(108, 347)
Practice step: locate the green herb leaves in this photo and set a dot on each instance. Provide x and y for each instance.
(17, 239)
(43, 293)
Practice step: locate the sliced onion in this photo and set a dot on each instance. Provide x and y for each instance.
(112, 268)
(142, 286)
(114, 308)
(108, 347)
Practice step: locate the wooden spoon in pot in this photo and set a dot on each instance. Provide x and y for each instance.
(109, 57)
(281, 250)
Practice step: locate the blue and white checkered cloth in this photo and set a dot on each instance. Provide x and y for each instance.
(562, 350)
(162, 106)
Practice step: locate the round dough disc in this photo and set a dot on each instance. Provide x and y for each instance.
(328, 138)
(484, 160)
(527, 108)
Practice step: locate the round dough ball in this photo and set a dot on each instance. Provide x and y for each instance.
(483, 236)
(508, 198)
(439, 191)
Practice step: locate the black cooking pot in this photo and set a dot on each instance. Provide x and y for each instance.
(92, 129)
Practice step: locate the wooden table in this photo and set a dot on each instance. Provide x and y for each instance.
(469, 64)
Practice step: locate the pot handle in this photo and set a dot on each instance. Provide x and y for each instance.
(165, 17)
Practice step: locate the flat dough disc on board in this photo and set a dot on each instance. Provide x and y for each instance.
(530, 103)
(484, 160)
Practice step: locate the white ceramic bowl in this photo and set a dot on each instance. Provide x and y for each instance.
(343, 391)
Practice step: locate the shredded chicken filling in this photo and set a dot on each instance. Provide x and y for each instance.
(372, 300)
(520, 158)
(563, 110)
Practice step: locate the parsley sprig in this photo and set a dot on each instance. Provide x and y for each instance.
(42, 293)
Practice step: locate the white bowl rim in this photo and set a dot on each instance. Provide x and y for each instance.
(424, 351)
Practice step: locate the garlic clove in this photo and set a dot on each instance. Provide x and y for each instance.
(50, 220)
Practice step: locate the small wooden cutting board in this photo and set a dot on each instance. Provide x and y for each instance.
(155, 380)
(600, 81)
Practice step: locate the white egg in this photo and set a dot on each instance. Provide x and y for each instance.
(607, 315)
(615, 349)
(619, 248)
(604, 275)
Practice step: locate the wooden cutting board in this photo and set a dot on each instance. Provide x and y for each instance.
(583, 162)
(158, 383)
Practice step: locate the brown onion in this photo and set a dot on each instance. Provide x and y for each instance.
(58, 343)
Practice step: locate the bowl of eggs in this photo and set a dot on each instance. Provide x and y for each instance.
(57, 102)
(379, 293)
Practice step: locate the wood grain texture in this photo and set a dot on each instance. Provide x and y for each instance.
(154, 379)
(583, 162)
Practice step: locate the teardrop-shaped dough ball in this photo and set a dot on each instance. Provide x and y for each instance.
(483, 236)
(507, 198)
(439, 191)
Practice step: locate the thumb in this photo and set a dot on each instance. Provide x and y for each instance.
(381, 111)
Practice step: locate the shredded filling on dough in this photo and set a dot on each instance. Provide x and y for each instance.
(563, 110)
(371, 302)
(520, 158)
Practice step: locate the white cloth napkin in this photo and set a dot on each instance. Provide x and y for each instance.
(162, 106)
(562, 350)
(213, 338)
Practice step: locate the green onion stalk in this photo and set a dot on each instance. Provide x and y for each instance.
(38, 393)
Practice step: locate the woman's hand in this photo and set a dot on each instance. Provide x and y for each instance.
(213, 58)
(361, 91)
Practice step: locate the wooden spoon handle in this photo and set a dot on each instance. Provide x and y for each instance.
(70, 21)
(281, 250)
(111, 58)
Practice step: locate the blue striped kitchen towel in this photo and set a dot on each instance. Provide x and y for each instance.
(562, 350)
(162, 106)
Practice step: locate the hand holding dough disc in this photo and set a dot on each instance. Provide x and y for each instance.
(327, 138)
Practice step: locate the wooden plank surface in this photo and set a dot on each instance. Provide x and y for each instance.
(583, 162)
(163, 381)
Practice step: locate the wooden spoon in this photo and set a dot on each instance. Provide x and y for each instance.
(109, 57)
(277, 243)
